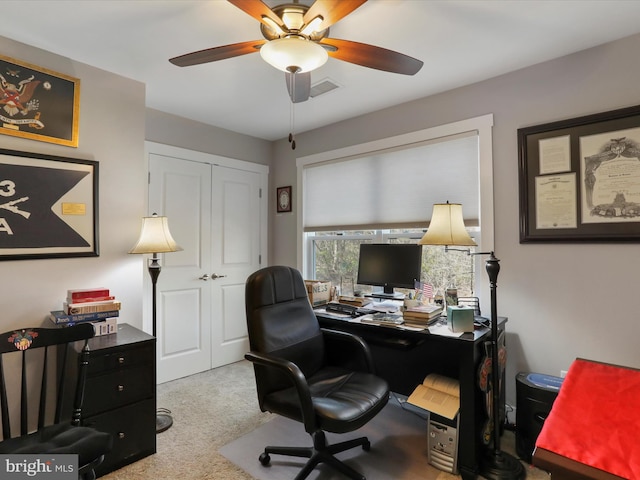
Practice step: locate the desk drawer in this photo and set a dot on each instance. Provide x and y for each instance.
(134, 433)
(101, 362)
(115, 389)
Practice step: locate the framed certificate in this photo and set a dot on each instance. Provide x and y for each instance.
(580, 179)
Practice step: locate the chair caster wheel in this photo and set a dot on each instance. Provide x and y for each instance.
(264, 459)
(366, 446)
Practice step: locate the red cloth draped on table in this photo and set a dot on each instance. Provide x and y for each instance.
(596, 418)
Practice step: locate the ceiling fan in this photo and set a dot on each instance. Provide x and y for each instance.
(296, 41)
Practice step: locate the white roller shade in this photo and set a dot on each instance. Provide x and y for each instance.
(393, 188)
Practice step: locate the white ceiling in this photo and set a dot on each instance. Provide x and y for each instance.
(459, 41)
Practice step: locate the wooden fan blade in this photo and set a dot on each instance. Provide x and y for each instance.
(299, 87)
(331, 11)
(217, 53)
(258, 10)
(372, 57)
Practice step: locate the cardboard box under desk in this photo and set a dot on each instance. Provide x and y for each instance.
(319, 292)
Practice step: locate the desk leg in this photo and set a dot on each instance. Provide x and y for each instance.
(470, 406)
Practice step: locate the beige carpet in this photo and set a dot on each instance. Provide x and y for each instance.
(212, 409)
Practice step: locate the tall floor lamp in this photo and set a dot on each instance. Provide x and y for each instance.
(447, 228)
(155, 238)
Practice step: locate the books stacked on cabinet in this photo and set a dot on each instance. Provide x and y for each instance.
(95, 305)
(422, 314)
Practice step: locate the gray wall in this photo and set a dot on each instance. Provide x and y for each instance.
(563, 301)
(114, 125)
(111, 131)
(184, 133)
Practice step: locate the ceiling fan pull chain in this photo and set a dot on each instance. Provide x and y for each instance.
(292, 117)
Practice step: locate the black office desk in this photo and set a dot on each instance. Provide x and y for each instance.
(404, 358)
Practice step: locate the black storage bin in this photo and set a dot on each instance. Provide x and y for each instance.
(535, 394)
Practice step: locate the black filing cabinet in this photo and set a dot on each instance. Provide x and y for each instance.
(120, 394)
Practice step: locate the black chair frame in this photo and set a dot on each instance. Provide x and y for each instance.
(42, 354)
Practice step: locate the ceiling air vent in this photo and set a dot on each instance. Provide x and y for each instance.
(322, 87)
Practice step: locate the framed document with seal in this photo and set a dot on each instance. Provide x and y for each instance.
(48, 206)
(580, 179)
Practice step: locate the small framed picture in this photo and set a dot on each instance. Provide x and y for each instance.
(283, 199)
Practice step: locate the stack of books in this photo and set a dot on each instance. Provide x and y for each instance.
(95, 305)
(424, 314)
(357, 301)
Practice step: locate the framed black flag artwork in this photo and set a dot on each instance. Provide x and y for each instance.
(48, 206)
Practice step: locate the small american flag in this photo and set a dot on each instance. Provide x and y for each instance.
(424, 289)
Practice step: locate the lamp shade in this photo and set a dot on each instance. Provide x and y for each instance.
(155, 237)
(294, 54)
(447, 227)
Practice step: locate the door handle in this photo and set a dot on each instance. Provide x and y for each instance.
(204, 277)
(214, 276)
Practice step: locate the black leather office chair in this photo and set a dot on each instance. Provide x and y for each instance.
(28, 358)
(321, 378)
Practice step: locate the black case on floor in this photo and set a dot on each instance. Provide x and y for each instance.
(535, 394)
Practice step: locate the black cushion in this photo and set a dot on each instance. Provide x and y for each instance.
(343, 401)
(64, 438)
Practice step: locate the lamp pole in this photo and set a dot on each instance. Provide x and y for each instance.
(155, 238)
(497, 464)
(154, 272)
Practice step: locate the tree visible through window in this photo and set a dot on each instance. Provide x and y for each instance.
(335, 258)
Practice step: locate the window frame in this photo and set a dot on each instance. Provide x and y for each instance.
(482, 125)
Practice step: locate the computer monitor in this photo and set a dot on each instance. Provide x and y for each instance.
(389, 265)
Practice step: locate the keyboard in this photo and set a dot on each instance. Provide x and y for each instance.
(386, 318)
(343, 309)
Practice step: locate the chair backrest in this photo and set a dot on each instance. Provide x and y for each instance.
(281, 321)
(29, 359)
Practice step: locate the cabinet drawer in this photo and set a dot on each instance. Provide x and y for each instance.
(134, 433)
(118, 388)
(102, 361)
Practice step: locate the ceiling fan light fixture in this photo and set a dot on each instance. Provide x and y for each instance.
(312, 26)
(273, 25)
(293, 17)
(294, 53)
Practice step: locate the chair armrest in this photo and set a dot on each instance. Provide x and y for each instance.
(293, 372)
(347, 350)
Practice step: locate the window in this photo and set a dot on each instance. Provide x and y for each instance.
(334, 258)
(384, 191)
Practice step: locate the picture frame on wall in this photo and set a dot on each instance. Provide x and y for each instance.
(580, 179)
(48, 206)
(283, 199)
(38, 103)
